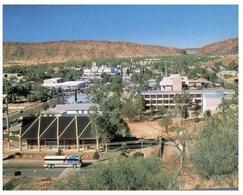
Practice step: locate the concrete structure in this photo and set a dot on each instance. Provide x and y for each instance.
(61, 109)
(197, 83)
(9, 76)
(206, 99)
(152, 83)
(96, 71)
(65, 85)
(53, 81)
(173, 83)
(228, 73)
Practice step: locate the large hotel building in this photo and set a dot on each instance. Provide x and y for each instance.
(208, 99)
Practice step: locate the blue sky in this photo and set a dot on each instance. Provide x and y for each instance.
(181, 26)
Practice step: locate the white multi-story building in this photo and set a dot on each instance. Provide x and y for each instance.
(97, 71)
(206, 99)
(175, 84)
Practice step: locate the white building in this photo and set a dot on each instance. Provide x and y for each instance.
(206, 99)
(174, 82)
(65, 85)
(97, 71)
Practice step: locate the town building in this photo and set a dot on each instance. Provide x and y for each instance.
(67, 109)
(175, 84)
(65, 85)
(67, 132)
(206, 99)
(228, 73)
(98, 70)
(17, 76)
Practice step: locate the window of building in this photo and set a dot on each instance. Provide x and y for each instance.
(159, 96)
(146, 96)
(198, 95)
(166, 95)
(159, 101)
(153, 96)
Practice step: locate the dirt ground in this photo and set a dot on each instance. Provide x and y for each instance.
(16, 107)
(152, 130)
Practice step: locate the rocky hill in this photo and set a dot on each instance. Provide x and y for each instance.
(226, 47)
(32, 53)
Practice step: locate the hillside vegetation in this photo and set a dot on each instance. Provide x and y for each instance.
(226, 47)
(33, 53)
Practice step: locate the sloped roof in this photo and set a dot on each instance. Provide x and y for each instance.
(65, 127)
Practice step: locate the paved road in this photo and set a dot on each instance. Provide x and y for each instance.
(37, 169)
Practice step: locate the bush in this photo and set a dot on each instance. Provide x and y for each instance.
(122, 174)
(17, 181)
(96, 155)
(138, 154)
(217, 152)
(124, 154)
(59, 152)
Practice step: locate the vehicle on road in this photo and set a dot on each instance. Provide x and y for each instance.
(62, 161)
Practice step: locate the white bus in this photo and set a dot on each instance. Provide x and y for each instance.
(62, 161)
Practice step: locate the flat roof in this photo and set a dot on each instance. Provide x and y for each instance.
(64, 84)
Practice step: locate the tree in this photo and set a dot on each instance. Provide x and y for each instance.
(165, 122)
(195, 114)
(133, 107)
(122, 174)
(216, 154)
(207, 113)
(183, 101)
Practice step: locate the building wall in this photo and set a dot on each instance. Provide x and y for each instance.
(53, 80)
(66, 144)
(177, 84)
(207, 99)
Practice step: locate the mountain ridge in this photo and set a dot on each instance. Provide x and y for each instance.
(39, 52)
(28, 53)
(226, 47)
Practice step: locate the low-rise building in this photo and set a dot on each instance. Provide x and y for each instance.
(97, 71)
(56, 132)
(67, 109)
(17, 76)
(174, 82)
(228, 73)
(65, 85)
(206, 99)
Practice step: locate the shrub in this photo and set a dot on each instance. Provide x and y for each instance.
(96, 155)
(124, 154)
(122, 174)
(59, 152)
(138, 154)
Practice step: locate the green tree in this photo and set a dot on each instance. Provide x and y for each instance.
(216, 154)
(133, 107)
(165, 122)
(195, 114)
(122, 174)
(183, 102)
